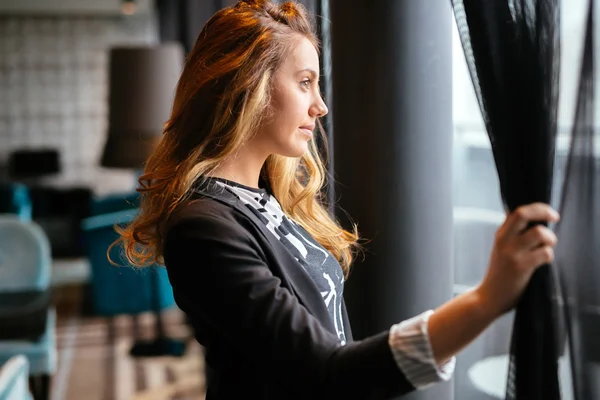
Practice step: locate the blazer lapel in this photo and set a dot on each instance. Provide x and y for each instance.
(301, 283)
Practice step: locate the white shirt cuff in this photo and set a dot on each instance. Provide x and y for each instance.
(411, 347)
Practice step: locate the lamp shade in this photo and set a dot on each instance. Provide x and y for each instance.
(142, 83)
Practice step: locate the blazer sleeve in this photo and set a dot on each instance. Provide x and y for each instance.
(219, 275)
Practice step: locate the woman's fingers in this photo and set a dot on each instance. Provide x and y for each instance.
(518, 250)
(520, 218)
(540, 256)
(536, 236)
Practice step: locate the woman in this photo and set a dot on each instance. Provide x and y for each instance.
(231, 206)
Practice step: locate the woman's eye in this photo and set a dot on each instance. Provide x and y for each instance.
(306, 83)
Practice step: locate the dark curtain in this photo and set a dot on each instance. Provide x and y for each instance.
(512, 50)
(182, 20)
(321, 10)
(578, 250)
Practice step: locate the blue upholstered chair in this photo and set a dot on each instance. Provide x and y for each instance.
(120, 289)
(123, 289)
(15, 199)
(14, 379)
(27, 318)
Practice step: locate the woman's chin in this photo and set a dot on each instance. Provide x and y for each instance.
(301, 152)
(296, 151)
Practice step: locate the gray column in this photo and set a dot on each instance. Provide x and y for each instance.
(392, 79)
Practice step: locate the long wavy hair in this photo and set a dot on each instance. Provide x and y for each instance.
(220, 101)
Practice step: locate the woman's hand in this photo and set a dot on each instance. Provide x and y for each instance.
(516, 254)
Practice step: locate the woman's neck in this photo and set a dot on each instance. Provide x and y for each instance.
(241, 169)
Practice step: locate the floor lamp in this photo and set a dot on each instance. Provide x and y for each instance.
(142, 81)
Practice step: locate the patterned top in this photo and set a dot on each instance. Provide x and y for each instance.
(318, 263)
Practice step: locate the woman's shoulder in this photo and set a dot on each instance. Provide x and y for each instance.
(208, 224)
(207, 213)
(198, 209)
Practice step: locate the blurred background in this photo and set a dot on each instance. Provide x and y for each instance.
(71, 148)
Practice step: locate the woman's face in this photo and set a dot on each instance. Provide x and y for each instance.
(296, 103)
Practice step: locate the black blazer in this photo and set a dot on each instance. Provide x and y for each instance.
(262, 321)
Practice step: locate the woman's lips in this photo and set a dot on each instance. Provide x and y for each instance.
(307, 129)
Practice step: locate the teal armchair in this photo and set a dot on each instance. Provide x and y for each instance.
(15, 199)
(27, 317)
(14, 379)
(120, 289)
(123, 289)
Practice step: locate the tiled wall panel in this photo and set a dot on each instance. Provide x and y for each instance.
(53, 90)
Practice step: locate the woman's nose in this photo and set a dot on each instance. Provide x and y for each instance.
(320, 108)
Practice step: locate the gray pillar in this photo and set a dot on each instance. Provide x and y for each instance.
(392, 79)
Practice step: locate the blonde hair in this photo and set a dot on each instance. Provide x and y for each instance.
(220, 101)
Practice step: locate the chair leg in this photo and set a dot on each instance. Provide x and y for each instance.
(40, 386)
(33, 386)
(44, 389)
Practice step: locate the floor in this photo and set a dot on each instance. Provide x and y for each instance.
(94, 361)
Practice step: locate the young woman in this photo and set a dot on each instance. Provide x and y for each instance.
(231, 206)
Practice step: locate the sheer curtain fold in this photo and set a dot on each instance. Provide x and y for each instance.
(512, 51)
(578, 251)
